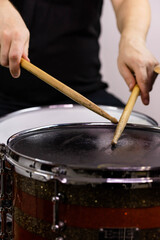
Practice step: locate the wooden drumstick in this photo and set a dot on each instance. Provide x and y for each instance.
(157, 69)
(125, 115)
(77, 97)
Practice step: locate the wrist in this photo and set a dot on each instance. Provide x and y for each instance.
(132, 37)
(133, 34)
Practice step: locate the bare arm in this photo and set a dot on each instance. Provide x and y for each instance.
(14, 38)
(133, 21)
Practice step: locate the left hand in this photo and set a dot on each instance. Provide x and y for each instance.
(136, 65)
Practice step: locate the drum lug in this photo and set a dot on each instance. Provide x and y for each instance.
(58, 171)
(58, 225)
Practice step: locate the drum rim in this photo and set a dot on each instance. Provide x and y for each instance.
(78, 125)
(149, 119)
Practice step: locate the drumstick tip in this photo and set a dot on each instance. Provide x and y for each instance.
(114, 120)
(114, 143)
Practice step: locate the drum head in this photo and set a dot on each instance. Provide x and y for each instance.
(61, 114)
(88, 146)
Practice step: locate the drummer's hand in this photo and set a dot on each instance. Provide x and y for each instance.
(14, 38)
(136, 64)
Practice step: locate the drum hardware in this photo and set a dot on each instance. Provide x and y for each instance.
(29, 171)
(59, 171)
(58, 225)
(119, 234)
(142, 175)
(5, 197)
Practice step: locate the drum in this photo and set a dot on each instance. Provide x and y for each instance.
(70, 184)
(58, 114)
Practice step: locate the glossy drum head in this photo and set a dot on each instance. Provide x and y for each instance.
(87, 147)
(60, 114)
(69, 175)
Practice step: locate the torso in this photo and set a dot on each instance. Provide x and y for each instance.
(64, 43)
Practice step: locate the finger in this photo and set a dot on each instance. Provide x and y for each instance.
(25, 52)
(4, 51)
(15, 54)
(142, 81)
(25, 57)
(128, 76)
(151, 77)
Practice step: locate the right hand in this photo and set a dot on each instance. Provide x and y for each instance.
(134, 57)
(14, 38)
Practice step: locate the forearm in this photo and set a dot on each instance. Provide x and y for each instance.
(133, 21)
(133, 17)
(4, 2)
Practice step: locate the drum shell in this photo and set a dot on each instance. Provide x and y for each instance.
(85, 209)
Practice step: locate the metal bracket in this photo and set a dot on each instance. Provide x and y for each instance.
(57, 226)
(119, 234)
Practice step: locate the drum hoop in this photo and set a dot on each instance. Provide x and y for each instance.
(74, 106)
(46, 176)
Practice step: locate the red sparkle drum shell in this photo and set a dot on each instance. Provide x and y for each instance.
(68, 178)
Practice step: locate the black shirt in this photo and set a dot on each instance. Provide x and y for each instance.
(64, 43)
